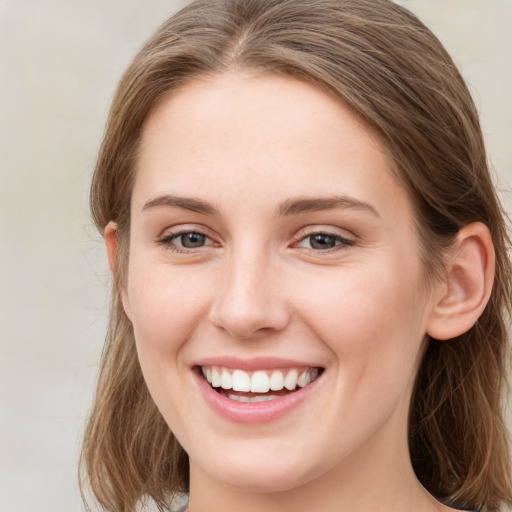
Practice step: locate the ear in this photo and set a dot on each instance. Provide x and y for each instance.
(466, 288)
(110, 235)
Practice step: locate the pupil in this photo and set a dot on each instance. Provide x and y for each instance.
(191, 240)
(322, 242)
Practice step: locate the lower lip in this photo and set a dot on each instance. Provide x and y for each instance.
(255, 412)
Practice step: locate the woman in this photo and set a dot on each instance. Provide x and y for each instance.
(310, 265)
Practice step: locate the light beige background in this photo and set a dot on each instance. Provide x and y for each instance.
(59, 63)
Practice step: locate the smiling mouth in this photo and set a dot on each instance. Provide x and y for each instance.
(260, 385)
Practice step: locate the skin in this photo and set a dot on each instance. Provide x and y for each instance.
(246, 144)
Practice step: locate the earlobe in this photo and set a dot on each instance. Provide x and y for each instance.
(110, 235)
(467, 286)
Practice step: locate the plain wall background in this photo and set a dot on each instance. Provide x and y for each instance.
(59, 64)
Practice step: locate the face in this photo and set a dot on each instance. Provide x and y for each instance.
(274, 283)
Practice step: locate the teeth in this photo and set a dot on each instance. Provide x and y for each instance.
(290, 381)
(276, 381)
(257, 398)
(304, 379)
(241, 381)
(226, 382)
(215, 382)
(261, 381)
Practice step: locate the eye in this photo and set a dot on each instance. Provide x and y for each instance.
(186, 240)
(190, 240)
(324, 241)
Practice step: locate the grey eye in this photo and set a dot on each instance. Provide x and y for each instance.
(322, 241)
(191, 240)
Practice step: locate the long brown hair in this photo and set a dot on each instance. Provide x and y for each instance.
(383, 63)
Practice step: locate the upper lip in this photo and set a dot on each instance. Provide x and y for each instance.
(253, 364)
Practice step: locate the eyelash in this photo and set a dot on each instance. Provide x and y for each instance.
(341, 243)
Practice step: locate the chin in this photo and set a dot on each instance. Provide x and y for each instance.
(265, 481)
(264, 474)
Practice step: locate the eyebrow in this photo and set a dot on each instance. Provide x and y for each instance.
(293, 206)
(185, 203)
(315, 204)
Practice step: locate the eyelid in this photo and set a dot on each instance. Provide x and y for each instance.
(186, 228)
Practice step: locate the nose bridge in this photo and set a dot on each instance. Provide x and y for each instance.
(249, 301)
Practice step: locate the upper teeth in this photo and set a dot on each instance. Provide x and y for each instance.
(260, 381)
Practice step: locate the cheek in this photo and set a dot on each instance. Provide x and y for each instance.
(371, 319)
(372, 323)
(166, 304)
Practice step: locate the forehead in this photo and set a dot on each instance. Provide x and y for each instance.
(240, 137)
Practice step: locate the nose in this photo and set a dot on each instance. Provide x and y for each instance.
(250, 303)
